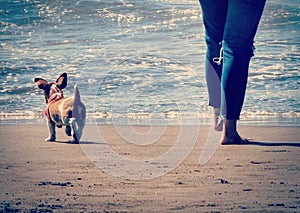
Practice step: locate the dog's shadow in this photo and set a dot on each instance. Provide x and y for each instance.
(265, 143)
(72, 143)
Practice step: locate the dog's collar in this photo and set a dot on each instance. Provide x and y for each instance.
(55, 97)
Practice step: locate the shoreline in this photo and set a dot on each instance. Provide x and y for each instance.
(276, 121)
(59, 176)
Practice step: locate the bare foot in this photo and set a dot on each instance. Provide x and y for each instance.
(230, 135)
(217, 120)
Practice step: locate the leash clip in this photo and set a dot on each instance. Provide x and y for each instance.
(218, 60)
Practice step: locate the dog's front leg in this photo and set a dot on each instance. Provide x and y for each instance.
(52, 133)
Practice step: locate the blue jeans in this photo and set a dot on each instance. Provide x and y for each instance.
(230, 25)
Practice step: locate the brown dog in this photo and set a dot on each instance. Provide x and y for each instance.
(61, 111)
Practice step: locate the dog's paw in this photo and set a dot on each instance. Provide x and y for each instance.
(50, 139)
(59, 125)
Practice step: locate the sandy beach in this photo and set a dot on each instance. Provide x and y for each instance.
(38, 176)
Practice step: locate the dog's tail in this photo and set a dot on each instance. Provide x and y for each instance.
(76, 95)
(78, 106)
(79, 111)
(77, 121)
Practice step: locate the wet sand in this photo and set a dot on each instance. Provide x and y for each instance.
(58, 176)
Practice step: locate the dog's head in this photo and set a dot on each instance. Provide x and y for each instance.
(52, 88)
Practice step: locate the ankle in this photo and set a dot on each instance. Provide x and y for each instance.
(230, 128)
(217, 111)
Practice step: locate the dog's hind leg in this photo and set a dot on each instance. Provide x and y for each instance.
(80, 125)
(68, 130)
(72, 123)
(67, 122)
(52, 133)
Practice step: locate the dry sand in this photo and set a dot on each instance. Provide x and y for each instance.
(40, 176)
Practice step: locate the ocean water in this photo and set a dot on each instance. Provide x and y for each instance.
(139, 62)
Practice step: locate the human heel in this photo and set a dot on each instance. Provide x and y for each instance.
(217, 120)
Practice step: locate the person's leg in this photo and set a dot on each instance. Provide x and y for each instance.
(214, 16)
(241, 25)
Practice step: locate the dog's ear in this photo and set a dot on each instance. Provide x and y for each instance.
(41, 83)
(62, 80)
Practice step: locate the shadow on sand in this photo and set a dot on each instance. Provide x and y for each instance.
(69, 142)
(257, 143)
(253, 143)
